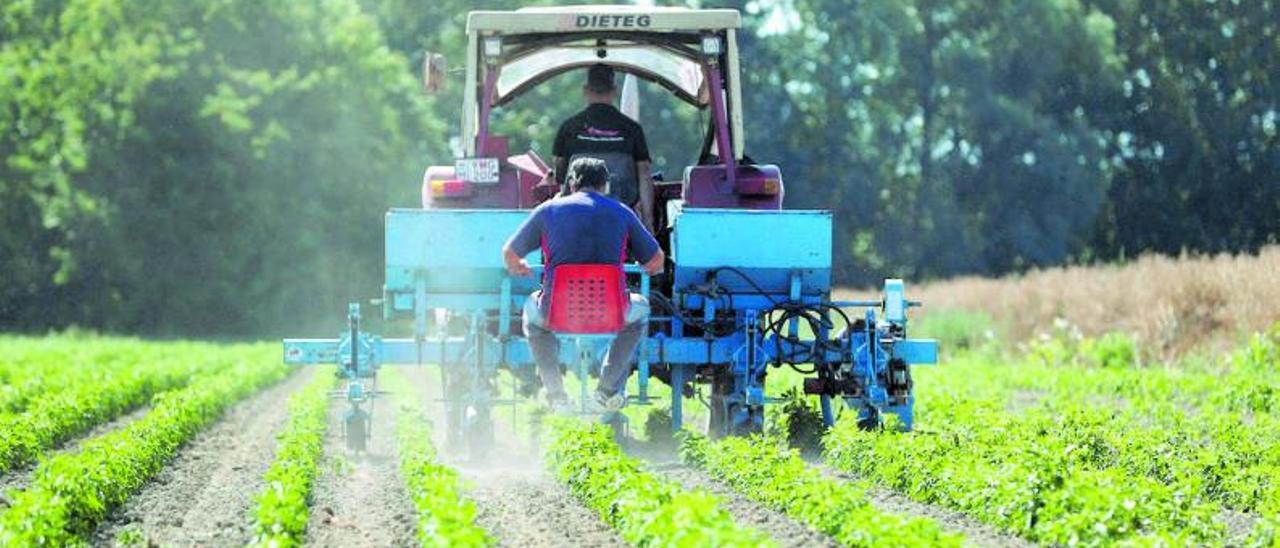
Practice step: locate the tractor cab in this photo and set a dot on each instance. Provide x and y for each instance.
(691, 53)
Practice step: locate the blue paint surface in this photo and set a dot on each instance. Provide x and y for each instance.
(767, 246)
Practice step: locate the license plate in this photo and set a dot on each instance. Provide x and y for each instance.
(477, 170)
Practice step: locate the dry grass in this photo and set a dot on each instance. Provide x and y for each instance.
(1170, 305)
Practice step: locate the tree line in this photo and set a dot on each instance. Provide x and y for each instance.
(220, 167)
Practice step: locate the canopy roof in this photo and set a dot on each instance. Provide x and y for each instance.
(682, 75)
(595, 18)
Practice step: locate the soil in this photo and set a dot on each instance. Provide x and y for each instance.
(205, 494)
(518, 502)
(975, 532)
(746, 512)
(360, 499)
(19, 479)
(1239, 526)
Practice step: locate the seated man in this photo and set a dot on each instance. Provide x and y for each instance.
(585, 227)
(602, 131)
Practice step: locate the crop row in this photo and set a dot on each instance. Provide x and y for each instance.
(72, 492)
(444, 516)
(762, 470)
(31, 368)
(643, 509)
(1202, 431)
(1232, 460)
(1021, 481)
(59, 414)
(283, 505)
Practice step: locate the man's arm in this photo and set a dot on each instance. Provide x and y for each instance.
(640, 151)
(646, 195)
(559, 165)
(655, 264)
(516, 265)
(559, 154)
(526, 239)
(644, 247)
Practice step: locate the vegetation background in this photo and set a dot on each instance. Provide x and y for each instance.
(219, 168)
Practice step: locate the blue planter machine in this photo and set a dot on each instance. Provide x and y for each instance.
(747, 289)
(749, 292)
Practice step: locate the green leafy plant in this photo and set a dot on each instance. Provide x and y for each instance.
(657, 428)
(798, 421)
(65, 411)
(1114, 349)
(644, 510)
(1048, 475)
(444, 516)
(283, 506)
(71, 493)
(761, 469)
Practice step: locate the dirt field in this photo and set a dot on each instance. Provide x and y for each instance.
(360, 500)
(204, 496)
(516, 498)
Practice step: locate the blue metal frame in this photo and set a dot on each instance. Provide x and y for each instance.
(731, 265)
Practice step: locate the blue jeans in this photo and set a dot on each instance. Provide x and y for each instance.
(545, 347)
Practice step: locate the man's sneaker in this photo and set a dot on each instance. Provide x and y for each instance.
(562, 407)
(609, 403)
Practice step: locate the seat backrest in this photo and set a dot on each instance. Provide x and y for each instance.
(587, 299)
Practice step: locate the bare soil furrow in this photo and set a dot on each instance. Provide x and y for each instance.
(360, 499)
(788, 532)
(522, 506)
(518, 502)
(1239, 526)
(975, 532)
(205, 496)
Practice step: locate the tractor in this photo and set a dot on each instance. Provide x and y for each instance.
(748, 287)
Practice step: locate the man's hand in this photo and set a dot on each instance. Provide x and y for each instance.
(516, 265)
(656, 263)
(646, 196)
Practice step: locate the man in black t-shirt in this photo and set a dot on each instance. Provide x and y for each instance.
(602, 131)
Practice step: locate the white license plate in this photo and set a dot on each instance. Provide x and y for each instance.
(477, 170)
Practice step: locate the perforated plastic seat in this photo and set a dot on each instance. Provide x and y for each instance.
(587, 299)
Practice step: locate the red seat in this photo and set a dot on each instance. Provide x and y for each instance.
(587, 299)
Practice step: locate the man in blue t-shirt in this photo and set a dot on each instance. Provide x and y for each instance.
(586, 227)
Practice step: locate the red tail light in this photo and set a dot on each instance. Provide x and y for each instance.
(450, 188)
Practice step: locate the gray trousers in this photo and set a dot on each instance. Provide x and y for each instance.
(617, 362)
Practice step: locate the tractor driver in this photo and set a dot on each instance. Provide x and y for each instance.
(585, 227)
(602, 131)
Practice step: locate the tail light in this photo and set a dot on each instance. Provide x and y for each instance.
(450, 188)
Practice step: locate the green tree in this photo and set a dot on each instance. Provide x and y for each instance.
(1193, 128)
(947, 137)
(245, 196)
